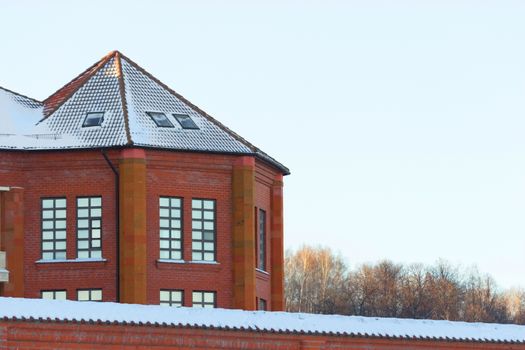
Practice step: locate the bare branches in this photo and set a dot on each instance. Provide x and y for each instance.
(319, 281)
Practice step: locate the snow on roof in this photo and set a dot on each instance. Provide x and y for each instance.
(18, 114)
(74, 311)
(125, 92)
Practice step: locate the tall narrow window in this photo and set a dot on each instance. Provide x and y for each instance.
(53, 228)
(170, 211)
(54, 294)
(89, 294)
(203, 229)
(261, 258)
(172, 298)
(204, 299)
(261, 304)
(89, 227)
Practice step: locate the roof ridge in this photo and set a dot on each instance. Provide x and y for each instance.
(194, 107)
(80, 80)
(18, 94)
(122, 90)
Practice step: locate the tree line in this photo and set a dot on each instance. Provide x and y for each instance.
(319, 281)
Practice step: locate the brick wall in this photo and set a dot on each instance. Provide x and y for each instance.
(44, 335)
(85, 173)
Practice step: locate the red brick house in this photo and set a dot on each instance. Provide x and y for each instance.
(116, 188)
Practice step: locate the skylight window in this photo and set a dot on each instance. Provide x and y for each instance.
(185, 121)
(160, 119)
(93, 119)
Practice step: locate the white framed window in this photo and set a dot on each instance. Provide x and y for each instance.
(89, 227)
(54, 294)
(204, 299)
(203, 230)
(170, 227)
(261, 253)
(89, 294)
(171, 297)
(53, 228)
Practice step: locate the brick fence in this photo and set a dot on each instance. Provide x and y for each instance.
(47, 335)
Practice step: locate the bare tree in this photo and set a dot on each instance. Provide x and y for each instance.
(319, 281)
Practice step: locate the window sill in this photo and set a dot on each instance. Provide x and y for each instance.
(262, 275)
(79, 260)
(262, 271)
(186, 265)
(169, 261)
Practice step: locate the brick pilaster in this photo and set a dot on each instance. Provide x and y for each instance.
(277, 245)
(244, 233)
(12, 240)
(133, 258)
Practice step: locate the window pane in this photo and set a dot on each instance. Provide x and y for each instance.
(83, 295)
(60, 295)
(47, 214)
(197, 297)
(95, 233)
(48, 203)
(208, 297)
(164, 295)
(160, 119)
(46, 225)
(96, 201)
(185, 121)
(93, 119)
(96, 294)
(47, 235)
(60, 203)
(164, 202)
(83, 202)
(60, 224)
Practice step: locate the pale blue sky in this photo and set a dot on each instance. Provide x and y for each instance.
(402, 121)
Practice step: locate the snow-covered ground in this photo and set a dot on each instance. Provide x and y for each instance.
(17, 308)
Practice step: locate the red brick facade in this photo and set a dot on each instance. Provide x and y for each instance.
(144, 175)
(51, 335)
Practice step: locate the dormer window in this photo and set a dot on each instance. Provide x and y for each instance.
(160, 119)
(93, 119)
(185, 121)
